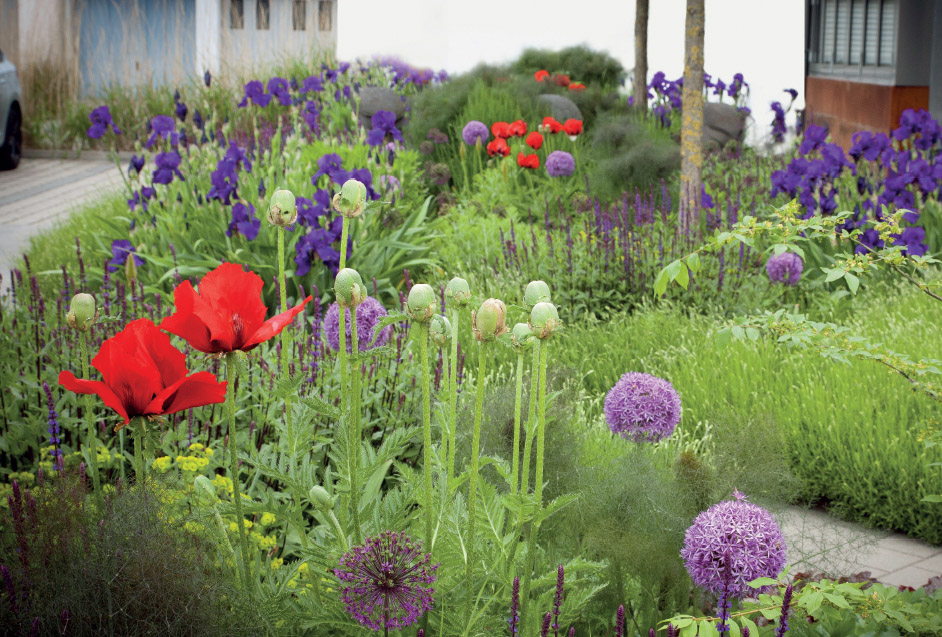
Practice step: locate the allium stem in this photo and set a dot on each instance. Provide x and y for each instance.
(90, 440)
(427, 431)
(453, 404)
(231, 373)
(515, 467)
(473, 481)
(355, 422)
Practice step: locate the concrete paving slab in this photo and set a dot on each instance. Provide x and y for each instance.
(887, 559)
(913, 576)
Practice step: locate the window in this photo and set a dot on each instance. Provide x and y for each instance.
(236, 14)
(853, 32)
(299, 15)
(325, 15)
(262, 14)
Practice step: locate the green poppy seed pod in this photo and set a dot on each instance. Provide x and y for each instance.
(282, 211)
(321, 498)
(544, 319)
(204, 488)
(440, 330)
(349, 288)
(83, 311)
(458, 290)
(522, 336)
(488, 322)
(351, 199)
(421, 304)
(536, 292)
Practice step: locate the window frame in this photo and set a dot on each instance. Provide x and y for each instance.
(821, 33)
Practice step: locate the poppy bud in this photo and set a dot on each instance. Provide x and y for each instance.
(351, 199)
(421, 303)
(522, 336)
(320, 498)
(544, 319)
(488, 321)
(349, 288)
(204, 488)
(83, 311)
(440, 330)
(536, 292)
(458, 291)
(282, 211)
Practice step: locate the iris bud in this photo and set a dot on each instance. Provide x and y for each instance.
(351, 199)
(522, 336)
(536, 292)
(440, 330)
(321, 498)
(282, 211)
(83, 311)
(544, 319)
(349, 288)
(422, 303)
(458, 290)
(488, 322)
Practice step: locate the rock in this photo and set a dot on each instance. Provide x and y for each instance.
(378, 98)
(561, 107)
(722, 123)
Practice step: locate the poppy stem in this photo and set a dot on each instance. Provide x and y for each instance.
(355, 423)
(453, 406)
(538, 479)
(344, 229)
(427, 431)
(231, 373)
(338, 530)
(285, 346)
(518, 397)
(473, 483)
(531, 421)
(90, 441)
(139, 471)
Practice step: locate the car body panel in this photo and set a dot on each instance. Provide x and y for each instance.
(10, 93)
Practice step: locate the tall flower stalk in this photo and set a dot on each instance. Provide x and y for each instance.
(283, 212)
(83, 312)
(232, 365)
(459, 294)
(522, 335)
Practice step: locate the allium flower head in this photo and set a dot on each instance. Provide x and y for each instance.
(385, 581)
(784, 268)
(642, 407)
(560, 164)
(732, 543)
(369, 313)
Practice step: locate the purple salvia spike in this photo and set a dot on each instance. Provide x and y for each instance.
(544, 629)
(558, 599)
(8, 584)
(620, 621)
(783, 619)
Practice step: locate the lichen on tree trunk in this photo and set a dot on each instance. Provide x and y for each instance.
(691, 132)
(641, 54)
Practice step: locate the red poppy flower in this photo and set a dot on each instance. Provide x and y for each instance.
(552, 125)
(144, 375)
(573, 127)
(498, 147)
(541, 75)
(528, 161)
(500, 129)
(561, 80)
(534, 140)
(518, 128)
(577, 86)
(227, 314)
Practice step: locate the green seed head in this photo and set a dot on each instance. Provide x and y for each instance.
(458, 290)
(421, 304)
(282, 211)
(544, 319)
(83, 311)
(488, 322)
(349, 288)
(536, 292)
(351, 199)
(205, 489)
(440, 330)
(522, 337)
(320, 498)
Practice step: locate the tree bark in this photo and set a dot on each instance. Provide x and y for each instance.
(641, 54)
(691, 132)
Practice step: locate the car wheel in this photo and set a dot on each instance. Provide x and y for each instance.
(12, 148)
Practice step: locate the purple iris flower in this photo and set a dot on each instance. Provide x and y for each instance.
(793, 93)
(168, 165)
(913, 238)
(870, 240)
(384, 123)
(310, 114)
(868, 145)
(343, 67)
(101, 122)
(244, 221)
(330, 75)
(316, 245)
(330, 165)
(180, 110)
(736, 86)
(310, 211)
(813, 138)
(719, 88)
(312, 84)
(163, 126)
(366, 177)
(120, 250)
(278, 87)
(198, 119)
(778, 122)
(207, 78)
(137, 164)
(256, 92)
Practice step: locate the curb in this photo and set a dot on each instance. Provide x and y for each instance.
(81, 155)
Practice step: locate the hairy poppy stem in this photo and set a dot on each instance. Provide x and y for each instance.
(427, 431)
(138, 427)
(285, 348)
(355, 424)
(231, 372)
(90, 440)
(531, 421)
(534, 531)
(453, 404)
(518, 397)
(473, 482)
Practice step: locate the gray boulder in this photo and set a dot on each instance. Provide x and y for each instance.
(561, 107)
(722, 123)
(378, 98)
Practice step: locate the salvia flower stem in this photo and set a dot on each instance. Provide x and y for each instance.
(426, 430)
(355, 422)
(90, 440)
(473, 481)
(453, 405)
(231, 373)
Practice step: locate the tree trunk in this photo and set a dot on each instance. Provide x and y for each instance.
(691, 132)
(641, 54)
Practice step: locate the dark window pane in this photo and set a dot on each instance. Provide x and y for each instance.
(857, 31)
(325, 14)
(236, 14)
(299, 15)
(872, 46)
(262, 13)
(843, 32)
(827, 31)
(888, 33)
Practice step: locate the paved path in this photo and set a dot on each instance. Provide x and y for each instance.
(41, 191)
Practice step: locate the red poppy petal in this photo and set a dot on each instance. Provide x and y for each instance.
(197, 390)
(128, 369)
(235, 296)
(96, 387)
(184, 323)
(167, 359)
(274, 325)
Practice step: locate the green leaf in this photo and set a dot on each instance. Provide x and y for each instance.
(683, 276)
(837, 600)
(853, 283)
(759, 582)
(371, 490)
(833, 274)
(738, 332)
(394, 316)
(660, 283)
(723, 337)
(752, 333)
(693, 262)
(932, 498)
(320, 407)
(363, 355)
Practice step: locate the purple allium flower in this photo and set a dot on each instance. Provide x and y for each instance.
(256, 92)
(168, 165)
(162, 126)
(642, 408)
(120, 249)
(384, 123)
(244, 221)
(101, 122)
(369, 314)
(54, 429)
(784, 268)
(733, 541)
(385, 582)
(474, 132)
(515, 608)
(560, 164)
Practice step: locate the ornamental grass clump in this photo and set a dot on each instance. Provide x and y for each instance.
(642, 408)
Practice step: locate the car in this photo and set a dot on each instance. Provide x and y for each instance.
(11, 115)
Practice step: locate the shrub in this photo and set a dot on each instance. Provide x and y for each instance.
(580, 62)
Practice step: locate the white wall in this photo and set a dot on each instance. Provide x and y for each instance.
(763, 40)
